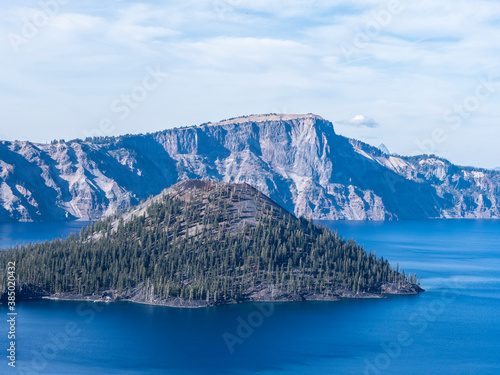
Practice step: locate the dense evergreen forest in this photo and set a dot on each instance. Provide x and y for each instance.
(204, 241)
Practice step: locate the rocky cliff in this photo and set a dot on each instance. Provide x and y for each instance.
(297, 160)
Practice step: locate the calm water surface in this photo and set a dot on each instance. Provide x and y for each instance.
(452, 328)
(12, 234)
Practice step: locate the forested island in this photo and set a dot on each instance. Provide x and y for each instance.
(203, 243)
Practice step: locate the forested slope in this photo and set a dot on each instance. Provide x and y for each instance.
(203, 243)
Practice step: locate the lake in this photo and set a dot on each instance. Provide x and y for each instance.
(452, 328)
(12, 234)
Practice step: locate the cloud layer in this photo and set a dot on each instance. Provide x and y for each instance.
(407, 64)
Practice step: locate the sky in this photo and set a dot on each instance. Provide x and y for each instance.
(421, 77)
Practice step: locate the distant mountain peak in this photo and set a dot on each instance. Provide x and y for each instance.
(384, 149)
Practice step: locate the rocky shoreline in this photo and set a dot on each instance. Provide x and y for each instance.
(263, 295)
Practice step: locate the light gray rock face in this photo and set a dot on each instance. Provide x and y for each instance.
(384, 149)
(297, 160)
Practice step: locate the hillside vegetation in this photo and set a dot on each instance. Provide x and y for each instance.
(203, 243)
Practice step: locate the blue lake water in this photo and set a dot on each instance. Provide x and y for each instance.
(12, 234)
(452, 328)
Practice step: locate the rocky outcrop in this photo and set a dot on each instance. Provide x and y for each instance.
(297, 160)
(465, 192)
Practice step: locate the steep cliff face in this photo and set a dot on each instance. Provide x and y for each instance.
(297, 160)
(466, 192)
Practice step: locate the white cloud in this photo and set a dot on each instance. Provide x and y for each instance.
(242, 54)
(360, 121)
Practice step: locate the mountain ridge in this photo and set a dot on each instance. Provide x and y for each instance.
(297, 160)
